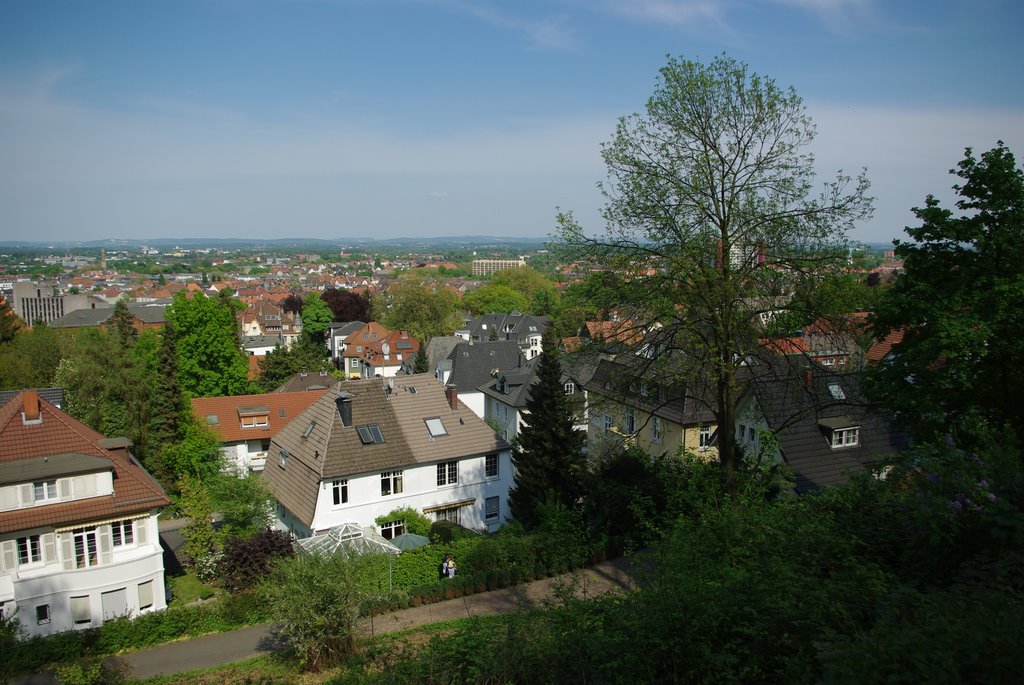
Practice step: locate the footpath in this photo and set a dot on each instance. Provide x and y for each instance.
(236, 645)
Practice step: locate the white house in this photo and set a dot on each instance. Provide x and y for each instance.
(246, 424)
(79, 542)
(371, 446)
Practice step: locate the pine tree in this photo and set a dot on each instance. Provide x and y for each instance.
(548, 456)
(121, 324)
(167, 403)
(422, 364)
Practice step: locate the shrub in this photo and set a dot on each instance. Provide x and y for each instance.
(91, 671)
(445, 532)
(246, 561)
(415, 522)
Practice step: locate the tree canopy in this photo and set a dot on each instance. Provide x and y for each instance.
(711, 219)
(423, 309)
(495, 299)
(960, 302)
(211, 362)
(316, 318)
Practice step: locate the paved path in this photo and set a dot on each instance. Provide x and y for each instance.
(236, 645)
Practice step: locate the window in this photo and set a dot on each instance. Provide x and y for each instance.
(450, 514)
(29, 550)
(390, 483)
(570, 388)
(705, 437)
(491, 466)
(657, 429)
(146, 594)
(392, 529)
(370, 434)
(845, 437)
(44, 490)
(435, 427)
(282, 457)
(255, 421)
(340, 489)
(43, 614)
(86, 552)
(751, 434)
(309, 429)
(81, 612)
(836, 391)
(608, 423)
(448, 473)
(741, 432)
(630, 423)
(491, 505)
(123, 532)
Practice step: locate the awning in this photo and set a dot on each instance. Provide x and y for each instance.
(449, 505)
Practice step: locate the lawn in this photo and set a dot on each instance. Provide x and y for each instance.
(187, 588)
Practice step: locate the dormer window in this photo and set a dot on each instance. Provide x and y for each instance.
(44, 490)
(843, 431)
(845, 437)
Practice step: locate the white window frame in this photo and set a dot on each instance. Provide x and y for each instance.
(30, 550)
(122, 533)
(392, 529)
(657, 430)
(569, 388)
(450, 514)
(704, 438)
(45, 490)
(629, 421)
(846, 437)
(448, 473)
(435, 426)
(390, 483)
(608, 423)
(339, 491)
(89, 556)
(42, 614)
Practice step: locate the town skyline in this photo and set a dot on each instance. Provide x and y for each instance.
(348, 120)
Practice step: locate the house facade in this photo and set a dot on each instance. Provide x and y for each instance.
(817, 423)
(659, 418)
(79, 542)
(246, 424)
(368, 447)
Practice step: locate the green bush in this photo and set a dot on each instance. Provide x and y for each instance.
(445, 532)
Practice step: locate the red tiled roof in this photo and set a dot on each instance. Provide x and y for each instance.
(134, 490)
(881, 348)
(229, 425)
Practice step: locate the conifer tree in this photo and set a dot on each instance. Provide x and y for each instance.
(422, 364)
(121, 324)
(548, 456)
(167, 403)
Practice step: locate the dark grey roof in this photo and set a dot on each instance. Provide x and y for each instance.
(26, 470)
(315, 380)
(802, 412)
(438, 349)
(54, 396)
(94, 317)
(519, 326)
(473, 365)
(345, 328)
(617, 382)
(251, 342)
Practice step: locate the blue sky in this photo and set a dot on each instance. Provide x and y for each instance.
(343, 119)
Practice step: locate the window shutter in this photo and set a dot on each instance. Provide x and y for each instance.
(141, 530)
(49, 548)
(67, 551)
(64, 488)
(9, 498)
(106, 544)
(8, 555)
(26, 494)
(146, 594)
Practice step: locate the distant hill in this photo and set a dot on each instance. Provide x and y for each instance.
(278, 243)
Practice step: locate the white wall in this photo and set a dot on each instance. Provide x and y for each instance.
(131, 565)
(420, 491)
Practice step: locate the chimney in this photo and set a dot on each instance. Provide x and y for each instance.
(344, 402)
(809, 380)
(451, 393)
(30, 405)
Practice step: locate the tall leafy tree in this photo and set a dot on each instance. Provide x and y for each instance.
(10, 323)
(316, 318)
(30, 360)
(710, 218)
(211, 362)
(280, 364)
(347, 305)
(495, 299)
(960, 300)
(548, 454)
(423, 309)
